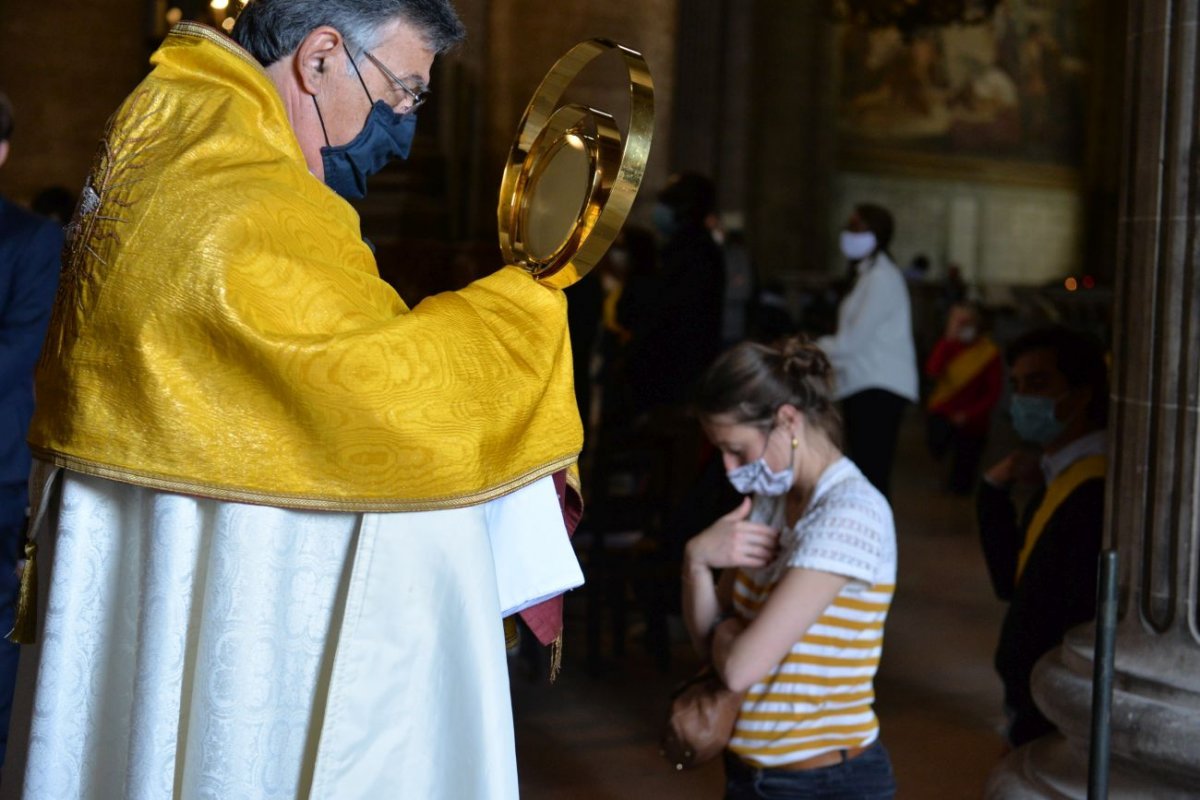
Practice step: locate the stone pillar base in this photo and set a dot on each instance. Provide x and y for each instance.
(1051, 769)
(1156, 727)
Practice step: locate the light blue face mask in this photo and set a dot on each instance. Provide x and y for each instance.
(664, 220)
(1034, 420)
(758, 478)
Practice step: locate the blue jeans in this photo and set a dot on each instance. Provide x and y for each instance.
(867, 777)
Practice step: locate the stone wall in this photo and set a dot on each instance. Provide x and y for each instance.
(523, 40)
(743, 93)
(996, 234)
(790, 143)
(66, 66)
(998, 229)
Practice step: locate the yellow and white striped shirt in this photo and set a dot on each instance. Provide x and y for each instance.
(819, 697)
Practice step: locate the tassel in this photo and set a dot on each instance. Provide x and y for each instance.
(556, 648)
(24, 629)
(512, 634)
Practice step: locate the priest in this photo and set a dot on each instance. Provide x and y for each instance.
(278, 514)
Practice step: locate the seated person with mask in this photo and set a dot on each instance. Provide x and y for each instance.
(969, 378)
(1044, 563)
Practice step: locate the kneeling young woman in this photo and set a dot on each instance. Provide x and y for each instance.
(809, 565)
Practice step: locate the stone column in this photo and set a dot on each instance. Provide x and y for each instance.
(792, 138)
(714, 91)
(1154, 483)
(66, 68)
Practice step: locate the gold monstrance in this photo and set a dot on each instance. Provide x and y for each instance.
(570, 179)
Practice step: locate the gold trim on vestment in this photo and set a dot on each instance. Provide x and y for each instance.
(309, 503)
(199, 31)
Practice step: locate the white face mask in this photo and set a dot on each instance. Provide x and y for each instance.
(967, 334)
(757, 477)
(857, 246)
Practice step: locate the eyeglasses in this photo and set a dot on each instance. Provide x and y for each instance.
(417, 98)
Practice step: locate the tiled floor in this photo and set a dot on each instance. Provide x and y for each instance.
(594, 737)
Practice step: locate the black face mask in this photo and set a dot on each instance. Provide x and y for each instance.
(384, 136)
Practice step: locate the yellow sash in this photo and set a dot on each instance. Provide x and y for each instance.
(611, 301)
(222, 329)
(962, 369)
(1085, 469)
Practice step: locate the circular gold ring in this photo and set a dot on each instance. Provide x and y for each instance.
(570, 180)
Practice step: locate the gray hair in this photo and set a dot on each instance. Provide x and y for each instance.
(273, 29)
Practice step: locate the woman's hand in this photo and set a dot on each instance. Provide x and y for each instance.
(733, 541)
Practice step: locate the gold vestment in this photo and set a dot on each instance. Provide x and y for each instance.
(222, 330)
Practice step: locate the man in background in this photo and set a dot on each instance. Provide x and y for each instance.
(1044, 563)
(676, 326)
(29, 253)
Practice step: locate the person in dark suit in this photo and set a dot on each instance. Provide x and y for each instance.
(676, 318)
(29, 259)
(1044, 563)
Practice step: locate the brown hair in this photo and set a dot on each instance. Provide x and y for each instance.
(750, 381)
(879, 221)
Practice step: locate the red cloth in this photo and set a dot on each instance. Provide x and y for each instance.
(546, 618)
(975, 400)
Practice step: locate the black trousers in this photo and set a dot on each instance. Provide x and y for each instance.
(966, 451)
(871, 419)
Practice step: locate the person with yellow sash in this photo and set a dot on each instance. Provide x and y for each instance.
(1044, 564)
(969, 379)
(278, 514)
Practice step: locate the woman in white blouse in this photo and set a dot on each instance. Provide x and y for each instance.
(873, 351)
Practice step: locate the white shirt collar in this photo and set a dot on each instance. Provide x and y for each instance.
(1093, 444)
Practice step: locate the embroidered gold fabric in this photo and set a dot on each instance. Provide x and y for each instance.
(221, 327)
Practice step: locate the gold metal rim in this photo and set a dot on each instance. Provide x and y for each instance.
(611, 195)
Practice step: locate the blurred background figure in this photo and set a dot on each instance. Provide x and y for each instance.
(739, 288)
(969, 379)
(770, 317)
(872, 349)
(585, 311)
(676, 321)
(55, 202)
(1043, 563)
(954, 288)
(631, 283)
(918, 269)
(29, 258)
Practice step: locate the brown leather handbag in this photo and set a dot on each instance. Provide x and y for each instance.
(700, 723)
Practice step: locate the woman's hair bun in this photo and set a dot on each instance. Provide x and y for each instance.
(803, 359)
